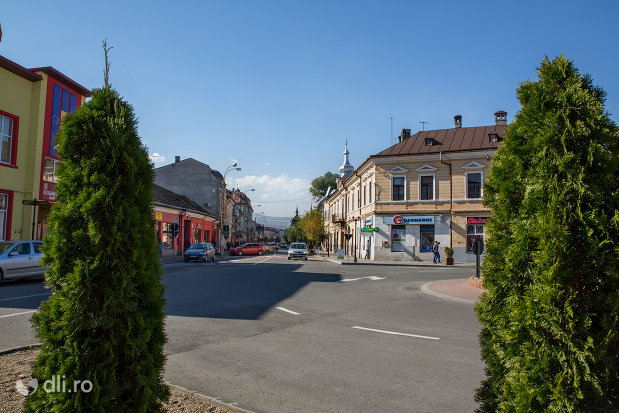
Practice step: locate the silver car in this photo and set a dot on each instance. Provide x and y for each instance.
(298, 250)
(20, 259)
(202, 251)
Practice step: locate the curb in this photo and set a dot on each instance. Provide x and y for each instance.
(476, 282)
(396, 263)
(426, 289)
(20, 348)
(212, 400)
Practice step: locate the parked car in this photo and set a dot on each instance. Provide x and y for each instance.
(283, 245)
(248, 249)
(20, 259)
(297, 250)
(274, 246)
(203, 251)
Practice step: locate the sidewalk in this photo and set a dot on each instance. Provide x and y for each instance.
(348, 260)
(465, 290)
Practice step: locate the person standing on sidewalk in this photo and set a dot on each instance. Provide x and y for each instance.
(437, 253)
(367, 249)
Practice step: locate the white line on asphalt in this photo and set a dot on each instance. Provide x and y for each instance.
(256, 263)
(24, 296)
(11, 315)
(396, 333)
(433, 270)
(371, 277)
(287, 310)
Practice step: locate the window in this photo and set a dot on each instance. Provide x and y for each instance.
(7, 140)
(37, 247)
(426, 187)
(473, 185)
(364, 196)
(4, 211)
(427, 237)
(494, 137)
(49, 169)
(429, 141)
(370, 192)
(473, 232)
(397, 188)
(22, 249)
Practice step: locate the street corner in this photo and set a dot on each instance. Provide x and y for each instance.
(461, 290)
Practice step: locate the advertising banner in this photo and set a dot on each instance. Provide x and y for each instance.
(411, 220)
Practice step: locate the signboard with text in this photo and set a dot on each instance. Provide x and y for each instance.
(481, 220)
(410, 220)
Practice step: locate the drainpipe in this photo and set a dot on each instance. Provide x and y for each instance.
(450, 199)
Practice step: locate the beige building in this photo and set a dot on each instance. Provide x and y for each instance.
(428, 187)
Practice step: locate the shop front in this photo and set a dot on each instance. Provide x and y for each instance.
(409, 237)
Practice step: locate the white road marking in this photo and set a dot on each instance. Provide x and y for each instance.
(287, 310)
(256, 263)
(396, 333)
(11, 315)
(24, 296)
(434, 270)
(371, 277)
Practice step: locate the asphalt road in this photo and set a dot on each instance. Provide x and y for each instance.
(271, 335)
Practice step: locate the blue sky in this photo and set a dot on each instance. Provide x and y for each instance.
(279, 85)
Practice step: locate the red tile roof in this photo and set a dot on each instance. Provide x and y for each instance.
(447, 140)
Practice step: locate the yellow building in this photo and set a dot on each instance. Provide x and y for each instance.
(32, 102)
(428, 187)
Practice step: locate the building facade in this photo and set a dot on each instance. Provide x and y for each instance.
(32, 103)
(242, 224)
(427, 187)
(179, 222)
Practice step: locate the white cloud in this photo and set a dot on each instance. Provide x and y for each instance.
(264, 196)
(276, 184)
(156, 158)
(267, 163)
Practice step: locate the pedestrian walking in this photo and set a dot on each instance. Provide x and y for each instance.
(436, 250)
(367, 249)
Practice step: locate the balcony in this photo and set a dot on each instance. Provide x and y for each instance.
(338, 219)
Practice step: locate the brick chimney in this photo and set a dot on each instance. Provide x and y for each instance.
(177, 159)
(404, 134)
(458, 121)
(500, 117)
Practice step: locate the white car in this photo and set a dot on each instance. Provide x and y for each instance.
(20, 259)
(298, 250)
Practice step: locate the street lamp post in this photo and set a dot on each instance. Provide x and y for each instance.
(223, 205)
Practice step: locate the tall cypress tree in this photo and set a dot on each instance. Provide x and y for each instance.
(104, 320)
(550, 315)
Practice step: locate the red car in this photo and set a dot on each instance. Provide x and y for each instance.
(247, 249)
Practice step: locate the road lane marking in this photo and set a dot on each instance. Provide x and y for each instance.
(256, 263)
(371, 277)
(287, 310)
(395, 333)
(11, 315)
(24, 296)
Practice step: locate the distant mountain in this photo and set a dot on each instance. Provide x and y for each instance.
(275, 222)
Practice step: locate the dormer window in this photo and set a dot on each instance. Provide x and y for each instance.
(429, 141)
(494, 137)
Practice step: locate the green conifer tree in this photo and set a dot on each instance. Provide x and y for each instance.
(104, 320)
(550, 315)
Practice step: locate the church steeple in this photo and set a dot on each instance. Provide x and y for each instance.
(346, 169)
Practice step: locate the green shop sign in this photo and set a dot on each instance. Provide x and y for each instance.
(369, 229)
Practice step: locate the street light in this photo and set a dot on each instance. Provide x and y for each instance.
(223, 205)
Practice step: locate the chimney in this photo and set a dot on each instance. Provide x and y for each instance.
(458, 121)
(404, 134)
(500, 117)
(177, 159)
